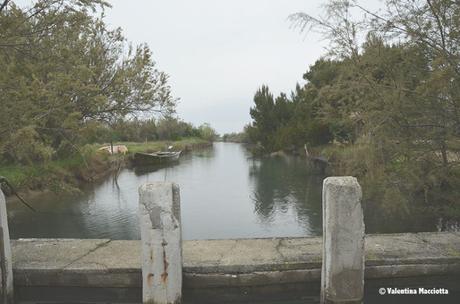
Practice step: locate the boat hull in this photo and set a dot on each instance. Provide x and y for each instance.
(156, 158)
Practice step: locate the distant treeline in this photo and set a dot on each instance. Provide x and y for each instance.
(136, 130)
(386, 110)
(237, 137)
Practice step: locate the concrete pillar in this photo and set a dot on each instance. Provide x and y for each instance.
(6, 262)
(159, 216)
(342, 276)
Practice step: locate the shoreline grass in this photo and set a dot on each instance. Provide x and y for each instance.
(70, 174)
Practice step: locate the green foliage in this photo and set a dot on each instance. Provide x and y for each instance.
(26, 147)
(68, 81)
(287, 123)
(395, 97)
(389, 103)
(206, 132)
(132, 130)
(66, 77)
(173, 129)
(167, 128)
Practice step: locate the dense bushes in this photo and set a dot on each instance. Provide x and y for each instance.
(387, 105)
(66, 78)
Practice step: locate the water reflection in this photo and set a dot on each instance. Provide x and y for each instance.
(225, 193)
(286, 185)
(142, 170)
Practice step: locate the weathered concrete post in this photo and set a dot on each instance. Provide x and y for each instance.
(6, 262)
(342, 276)
(159, 215)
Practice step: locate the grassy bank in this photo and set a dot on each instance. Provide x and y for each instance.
(68, 175)
(61, 175)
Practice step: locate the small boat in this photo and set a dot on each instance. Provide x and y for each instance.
(156, 157)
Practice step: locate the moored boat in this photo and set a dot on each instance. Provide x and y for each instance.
(156, 157)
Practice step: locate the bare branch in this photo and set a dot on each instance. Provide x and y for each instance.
(3, 5)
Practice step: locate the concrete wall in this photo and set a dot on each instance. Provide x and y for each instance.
(245, 269)
(6, 270)
(227, 263)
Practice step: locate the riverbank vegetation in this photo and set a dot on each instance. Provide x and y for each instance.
(383, 105)
(68, 81)
(71, 173)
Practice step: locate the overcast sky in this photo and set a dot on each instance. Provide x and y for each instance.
(218, 53)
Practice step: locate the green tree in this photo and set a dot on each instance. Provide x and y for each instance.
(63, 68)
(401, 84)
(264, 118)
(172, 128)
(207, 132)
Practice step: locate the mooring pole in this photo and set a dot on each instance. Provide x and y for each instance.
(6, 261)
(342, 276)
(159, 216)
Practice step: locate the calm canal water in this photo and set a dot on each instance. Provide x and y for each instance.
(225, 193)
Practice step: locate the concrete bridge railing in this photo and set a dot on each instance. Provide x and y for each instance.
(343, 242)
(6, 261)
(163, 265)
(161, 242)
(342, 278)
